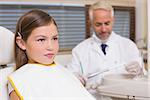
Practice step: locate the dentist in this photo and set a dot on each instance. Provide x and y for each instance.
(104, 50)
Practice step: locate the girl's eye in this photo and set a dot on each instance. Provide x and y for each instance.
(41, 40)
(55, 38)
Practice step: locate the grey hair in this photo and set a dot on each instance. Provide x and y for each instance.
(101, 4)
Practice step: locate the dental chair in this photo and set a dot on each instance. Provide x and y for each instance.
(63, 59)
(6, 60)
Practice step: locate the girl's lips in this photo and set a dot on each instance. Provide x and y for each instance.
(49, 55)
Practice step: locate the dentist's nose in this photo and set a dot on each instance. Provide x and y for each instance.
(103, 28)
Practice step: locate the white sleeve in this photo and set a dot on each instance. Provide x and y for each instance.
(134, 54)
(74, 65)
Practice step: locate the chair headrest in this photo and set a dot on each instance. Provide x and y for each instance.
(6, 46)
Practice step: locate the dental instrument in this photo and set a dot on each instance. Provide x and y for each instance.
(106, 70)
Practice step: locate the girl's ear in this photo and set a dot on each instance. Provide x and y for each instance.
(20, 43)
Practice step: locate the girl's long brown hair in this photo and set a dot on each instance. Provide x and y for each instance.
(26, 24)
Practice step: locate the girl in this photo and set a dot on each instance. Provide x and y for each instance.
(37, 76)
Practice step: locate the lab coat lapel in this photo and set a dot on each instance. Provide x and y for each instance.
(96, 48)
(113, 54)
(95, 45)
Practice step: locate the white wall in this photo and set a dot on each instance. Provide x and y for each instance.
(149, 35)
(141, 19)
(82, 2)
(115, 2)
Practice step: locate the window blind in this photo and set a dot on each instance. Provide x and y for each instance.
(70, 21)
(122, 23)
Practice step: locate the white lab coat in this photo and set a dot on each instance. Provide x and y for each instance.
(88, 57)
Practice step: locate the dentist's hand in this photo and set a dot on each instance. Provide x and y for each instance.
(93, 85)
(82, 78)
(134, 68)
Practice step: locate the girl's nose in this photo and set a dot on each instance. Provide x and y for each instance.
(49, 45)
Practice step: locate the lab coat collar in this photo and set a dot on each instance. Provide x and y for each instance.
(109, 40)
(97, 42)
(112, 36)
(96, 39)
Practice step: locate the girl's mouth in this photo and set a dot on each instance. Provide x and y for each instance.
(49, 55)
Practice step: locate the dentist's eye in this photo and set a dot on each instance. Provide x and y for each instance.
(98, 24)
(107, 23)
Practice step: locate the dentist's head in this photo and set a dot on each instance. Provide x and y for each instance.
(102, 18)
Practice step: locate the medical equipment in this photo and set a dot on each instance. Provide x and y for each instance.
(125, 86)
(81, 68)
(105, 70)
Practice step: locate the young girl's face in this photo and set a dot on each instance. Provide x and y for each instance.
(42, 45)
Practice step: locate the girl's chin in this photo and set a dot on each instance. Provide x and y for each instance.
(48, 64)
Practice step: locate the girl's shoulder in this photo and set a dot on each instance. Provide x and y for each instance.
(22, 70)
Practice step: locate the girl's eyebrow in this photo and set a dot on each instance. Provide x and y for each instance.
(46, 36)
(55, 35)
(40, 36)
